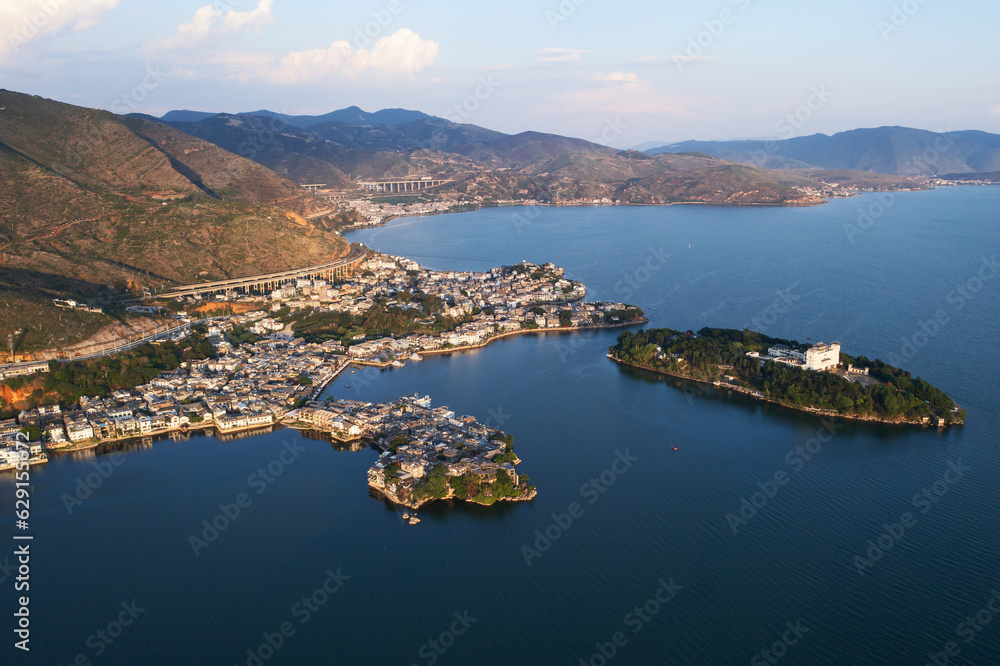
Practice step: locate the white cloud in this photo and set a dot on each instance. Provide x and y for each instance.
(235, 22)
(618, 77)
(553, 54)
(28, 22)
(206, 23)
(403, 52)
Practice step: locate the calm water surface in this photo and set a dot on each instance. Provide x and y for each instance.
(660, 519)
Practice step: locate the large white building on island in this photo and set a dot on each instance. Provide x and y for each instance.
(818, 357)
(823, 356)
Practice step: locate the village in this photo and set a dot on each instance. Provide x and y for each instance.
(275, 376)
(426, 453)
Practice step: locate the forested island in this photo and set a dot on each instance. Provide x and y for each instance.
(776, 370)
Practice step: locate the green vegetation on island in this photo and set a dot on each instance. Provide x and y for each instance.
(885, 393)
(468, 487)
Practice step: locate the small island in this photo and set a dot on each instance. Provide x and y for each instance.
(815, 378)
(428, 454)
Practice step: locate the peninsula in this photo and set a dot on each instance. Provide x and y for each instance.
(269, 365)
(814, 378)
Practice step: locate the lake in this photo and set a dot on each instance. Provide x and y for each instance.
(766, 529)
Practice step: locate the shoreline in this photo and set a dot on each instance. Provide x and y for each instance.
(316, 393)
(184, 430)
(756, 396)
(471, 208)
(524, 331)
(414, 506)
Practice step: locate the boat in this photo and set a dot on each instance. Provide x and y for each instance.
(398, 364)
(406, 516)
(416, 357)
(414, 520)
(347, 386)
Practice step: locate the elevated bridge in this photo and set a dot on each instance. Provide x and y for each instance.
(402, 185)
(333, 270)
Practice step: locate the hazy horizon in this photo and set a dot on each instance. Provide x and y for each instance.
(657, 72)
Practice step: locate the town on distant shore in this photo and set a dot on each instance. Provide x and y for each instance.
(816, 378)
(270, 364)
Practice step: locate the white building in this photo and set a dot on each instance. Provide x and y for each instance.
(80, 431)
(781, 351)
(823, 356)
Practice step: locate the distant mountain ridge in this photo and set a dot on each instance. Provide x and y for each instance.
(484, 163)
(352, 115)
(897, 151)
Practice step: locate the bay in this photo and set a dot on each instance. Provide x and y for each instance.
(656, 516)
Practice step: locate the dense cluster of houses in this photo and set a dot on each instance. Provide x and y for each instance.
(13, 446)
(432, 436)
(501, 301)
(275, 379)
(377, 213)
(251, 386)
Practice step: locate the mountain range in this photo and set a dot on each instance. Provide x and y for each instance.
(483, 164)
(94, 204)
(897, 151)
(350, 116)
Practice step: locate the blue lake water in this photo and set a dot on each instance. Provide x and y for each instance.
(625, 513)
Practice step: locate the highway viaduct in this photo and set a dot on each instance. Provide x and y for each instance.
(333, 270)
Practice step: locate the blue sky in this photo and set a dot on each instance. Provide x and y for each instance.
(624, 72)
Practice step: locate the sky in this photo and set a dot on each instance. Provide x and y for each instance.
(620, 73)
